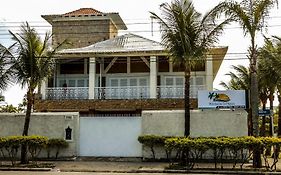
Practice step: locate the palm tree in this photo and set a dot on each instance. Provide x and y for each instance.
(187, 36)
(240, 79)
(5, 71)
(267, 85)
(250, 14)
(271, 53)
(32, 64)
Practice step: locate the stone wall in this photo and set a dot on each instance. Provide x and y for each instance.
(51, 125)
(81, 33)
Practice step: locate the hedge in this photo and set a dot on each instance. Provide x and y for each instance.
(57, 145)
(10, 146)
(234, 149)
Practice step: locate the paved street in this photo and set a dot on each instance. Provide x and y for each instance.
(77, 173)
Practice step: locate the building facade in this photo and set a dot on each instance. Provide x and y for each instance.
(109, 89)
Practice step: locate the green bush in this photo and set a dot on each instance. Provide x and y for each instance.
(57, 145)
(35, 144)
(190, 150)
(152, 141)
(10, 146)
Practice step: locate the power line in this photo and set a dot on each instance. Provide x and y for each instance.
(101, 32)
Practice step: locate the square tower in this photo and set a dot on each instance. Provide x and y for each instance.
(84, 27)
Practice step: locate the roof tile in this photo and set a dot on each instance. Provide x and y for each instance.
(83, 11)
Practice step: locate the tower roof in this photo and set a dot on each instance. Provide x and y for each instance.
(87, 14)
(83, 11)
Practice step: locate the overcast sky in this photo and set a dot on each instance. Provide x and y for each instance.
(134, 13)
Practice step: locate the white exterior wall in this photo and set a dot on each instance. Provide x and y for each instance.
(203, 123)
(51, 125)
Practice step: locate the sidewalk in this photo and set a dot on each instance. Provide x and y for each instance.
(109, 166)
(146, 167)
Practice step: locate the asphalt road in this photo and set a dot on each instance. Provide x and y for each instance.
(77, 173)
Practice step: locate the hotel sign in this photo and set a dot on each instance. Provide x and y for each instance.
(221, 99)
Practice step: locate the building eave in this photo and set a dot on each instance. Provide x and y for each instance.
(218, 54)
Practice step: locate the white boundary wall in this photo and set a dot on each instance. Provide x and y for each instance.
(51, 125)
(203, 123)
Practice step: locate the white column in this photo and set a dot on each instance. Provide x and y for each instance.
(43, 89)
(92, 77)
(153, 77)
(209, 73)
(170, 65)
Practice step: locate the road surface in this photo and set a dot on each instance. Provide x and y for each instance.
(78, 173)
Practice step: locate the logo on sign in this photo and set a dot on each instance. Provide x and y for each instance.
(218, 97)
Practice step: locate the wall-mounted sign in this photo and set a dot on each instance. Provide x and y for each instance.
(266, 112)
(221, 99)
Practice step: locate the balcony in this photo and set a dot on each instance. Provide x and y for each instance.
(177, 91)
(124, 92)
(58, 93)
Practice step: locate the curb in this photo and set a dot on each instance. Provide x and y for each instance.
(25, 169)
(179, 171)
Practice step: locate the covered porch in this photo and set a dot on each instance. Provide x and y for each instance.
(126, 67)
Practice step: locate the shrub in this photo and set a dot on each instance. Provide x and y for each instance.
(35, 144)
(152, 141)
(12, 145)
(189, 150)
(56, 144)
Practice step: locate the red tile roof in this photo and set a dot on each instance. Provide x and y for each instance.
(83, 11)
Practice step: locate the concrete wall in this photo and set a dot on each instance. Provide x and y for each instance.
(105, 134)
(203, 123)
(51, 125)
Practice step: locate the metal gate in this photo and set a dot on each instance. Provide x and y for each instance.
(110, 136)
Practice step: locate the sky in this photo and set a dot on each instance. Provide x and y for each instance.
(135, 13)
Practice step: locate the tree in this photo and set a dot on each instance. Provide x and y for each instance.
(250, 14)
(9, 109)
(187, 36)
(5, 71)
(271, 54)
(240, 79)
(32, 64)
(268, 79)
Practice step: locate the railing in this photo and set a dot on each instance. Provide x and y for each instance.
(124, 92)
(67, 93)
(177, 91)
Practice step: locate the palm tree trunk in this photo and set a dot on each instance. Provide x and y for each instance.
(187, 101)
(271, 99)
(262, 133)
(24, 159)
(254, 102)
(279, 116)
(250, 122)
